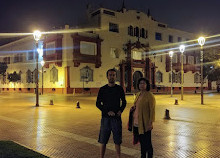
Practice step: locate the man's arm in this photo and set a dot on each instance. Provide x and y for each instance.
(99, 100)
(123, 100)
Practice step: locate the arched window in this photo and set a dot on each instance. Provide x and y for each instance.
(29, 77)
(173, 77)
(35, 75)
(197, 78)
(131, 30)
(136, 32)
(143, 33)
(54, 75)
(178, 78)
(159, 77)
(86, 74)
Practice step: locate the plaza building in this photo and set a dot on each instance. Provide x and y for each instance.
(76, 59)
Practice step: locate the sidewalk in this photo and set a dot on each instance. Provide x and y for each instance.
(62, 130)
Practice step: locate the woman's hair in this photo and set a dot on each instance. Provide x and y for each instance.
(146, 81)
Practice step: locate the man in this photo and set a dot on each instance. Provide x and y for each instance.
(109, 102)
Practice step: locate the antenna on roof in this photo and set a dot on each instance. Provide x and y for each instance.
(123, 4)
(123, 9)
(148, 12)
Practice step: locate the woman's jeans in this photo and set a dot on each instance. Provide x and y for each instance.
(146, 144)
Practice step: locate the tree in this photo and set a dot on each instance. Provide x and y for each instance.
(14, 77)
(212, 64)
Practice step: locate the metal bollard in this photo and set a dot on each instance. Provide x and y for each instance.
(176, 102)
(78, 105)
(167, 114)
(51, 102)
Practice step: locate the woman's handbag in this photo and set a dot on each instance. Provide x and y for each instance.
(130, 120)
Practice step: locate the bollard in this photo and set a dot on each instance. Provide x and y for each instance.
(134, 96)
(167, 114)
(77, 105)
(176, 102)
(51, 102)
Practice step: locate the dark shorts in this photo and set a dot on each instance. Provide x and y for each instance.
(109, 125)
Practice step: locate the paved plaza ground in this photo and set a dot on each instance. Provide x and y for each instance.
(61, 130)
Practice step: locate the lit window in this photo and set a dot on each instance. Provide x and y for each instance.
(50, 48)
(54, 75)
(191, 60)
(86, 74)
(88, 48)
(174, 59)
(159, 77)
(30, 55)
(137, 55)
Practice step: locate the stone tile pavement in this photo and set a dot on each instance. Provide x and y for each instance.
(62, 131)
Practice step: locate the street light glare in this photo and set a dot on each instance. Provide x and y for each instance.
(42, 62)
(171, 54)
(182, 48)
(37, 35)
(201, 41)
(40, 51)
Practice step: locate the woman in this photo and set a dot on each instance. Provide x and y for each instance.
(144, 116)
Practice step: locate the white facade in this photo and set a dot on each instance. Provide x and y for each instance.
(112, 43)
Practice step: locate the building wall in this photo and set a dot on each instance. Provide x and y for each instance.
(110, 40)
(118, 40)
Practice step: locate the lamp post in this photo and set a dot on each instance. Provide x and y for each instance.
(37, 36)
(42, 64)
(182, 49)
(171, 69)
(201, 41)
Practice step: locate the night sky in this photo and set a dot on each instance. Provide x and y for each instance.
(197, 16)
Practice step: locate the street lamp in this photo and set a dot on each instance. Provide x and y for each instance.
(37, 36)
(42, 64)
(201, 41)
(182, 49)
(171, 69)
